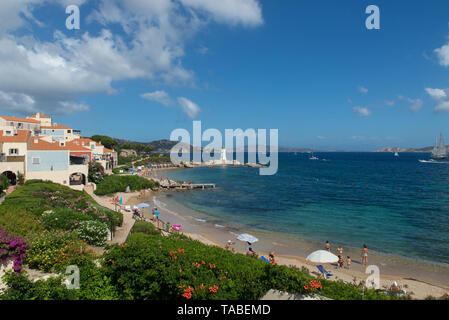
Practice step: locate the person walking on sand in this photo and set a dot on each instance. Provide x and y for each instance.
(328, 246)
(340, 251)
(364, 255)
(156, 213)
(348, 262)
(271, 258)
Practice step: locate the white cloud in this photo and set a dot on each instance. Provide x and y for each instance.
(416, 105)
(362, 112)
(147, 43)
(245, 12)
(441, 97)
(358, 138)
(321, 137)
(390, 103)
(443, 55)
(189, 107)
(159, 96)
(363, 89)
(436, 93)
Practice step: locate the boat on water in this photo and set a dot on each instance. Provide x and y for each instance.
(396, 154)
(312, 157)
(439, 152)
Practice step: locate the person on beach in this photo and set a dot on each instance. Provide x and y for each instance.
(271, 258)
(340, 250)
(348, 262)
(364, 255)
(328, 246)
(250, 252)
(228, 245)
(156, 213)
(340, 262)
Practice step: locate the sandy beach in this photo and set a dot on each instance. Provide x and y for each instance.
(421, 280)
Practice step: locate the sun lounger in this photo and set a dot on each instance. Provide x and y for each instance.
(323, 271)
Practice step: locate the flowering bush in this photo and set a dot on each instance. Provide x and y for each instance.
(93, 232)
(156, 267)
(12, 247)
(54, 251)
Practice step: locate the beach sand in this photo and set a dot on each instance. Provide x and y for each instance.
(412, 276)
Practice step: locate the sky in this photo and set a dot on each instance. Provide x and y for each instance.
(138, 69)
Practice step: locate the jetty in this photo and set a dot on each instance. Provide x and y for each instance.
(189, 186)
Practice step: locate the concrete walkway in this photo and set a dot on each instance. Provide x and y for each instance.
(121, 233)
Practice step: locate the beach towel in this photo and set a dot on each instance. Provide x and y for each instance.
(265, 259)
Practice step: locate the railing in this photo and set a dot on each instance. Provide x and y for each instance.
(5, 158)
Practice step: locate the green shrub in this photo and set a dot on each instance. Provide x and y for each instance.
(54, 251)
(156, 267)
(65, 219)
(93, 232)
(4, 183)
(116, 183)
(19, 287)
(145, 227)
(96, 172)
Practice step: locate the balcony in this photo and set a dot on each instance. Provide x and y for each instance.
(5, 158)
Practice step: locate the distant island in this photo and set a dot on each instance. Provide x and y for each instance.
(425, 149)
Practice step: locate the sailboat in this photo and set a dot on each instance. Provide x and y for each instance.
(312, 157)
(396, 154)
(439, 152)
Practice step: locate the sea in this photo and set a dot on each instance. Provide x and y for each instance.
(394, 205)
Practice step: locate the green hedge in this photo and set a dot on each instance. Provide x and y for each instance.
(117, 183)
(145, 227)
(166, 268)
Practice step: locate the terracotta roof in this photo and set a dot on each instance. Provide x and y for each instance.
(16, 119)
(75, 145)
(21, 136)
(41, 116)
(106, 150)
(44, 145)
(89, 141)
(57, 126)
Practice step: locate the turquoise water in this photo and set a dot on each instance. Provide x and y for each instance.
(395, 205)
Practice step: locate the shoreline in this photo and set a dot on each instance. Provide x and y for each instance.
(210, 233)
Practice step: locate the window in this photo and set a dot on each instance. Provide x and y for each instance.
(8, 133)
(28, 126)
(69, 131)
(13, 152)
(11, 123)
(20, 125)
(36, 160)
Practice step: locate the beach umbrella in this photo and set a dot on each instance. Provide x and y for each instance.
(247, 237)
(322, 256)
(143, 205)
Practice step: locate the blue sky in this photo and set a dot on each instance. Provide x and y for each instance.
(308, 68)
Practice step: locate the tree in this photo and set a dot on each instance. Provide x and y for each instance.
(148, 149)
(108, 142)
(126, 145)
(139, 147)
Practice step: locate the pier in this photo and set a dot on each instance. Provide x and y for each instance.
(189, 186)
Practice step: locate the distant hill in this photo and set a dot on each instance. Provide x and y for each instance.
(425, 149)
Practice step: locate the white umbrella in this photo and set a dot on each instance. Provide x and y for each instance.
(247, 237)
(322, 256)
(143, 205)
